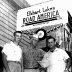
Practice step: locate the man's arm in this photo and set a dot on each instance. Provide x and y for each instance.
(5, 63)
(68, 63)
(44, 61)
(22, 62)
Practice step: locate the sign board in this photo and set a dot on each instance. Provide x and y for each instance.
(44, 14)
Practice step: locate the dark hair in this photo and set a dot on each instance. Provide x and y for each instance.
(17, 32)
(50, 37)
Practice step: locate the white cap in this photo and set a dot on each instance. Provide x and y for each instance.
(40, 34)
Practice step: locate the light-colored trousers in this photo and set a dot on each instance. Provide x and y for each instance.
(14, 67)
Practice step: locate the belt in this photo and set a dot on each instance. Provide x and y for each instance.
(14, 62)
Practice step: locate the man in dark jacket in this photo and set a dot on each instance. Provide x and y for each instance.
(1, 60)
(69, 53)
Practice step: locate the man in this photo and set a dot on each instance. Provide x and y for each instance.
(1, 60)
(33, 54)
(12, 54)
(37, 52)
(69, 53)
(56, 59)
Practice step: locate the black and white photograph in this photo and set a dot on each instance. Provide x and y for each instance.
(35, 36)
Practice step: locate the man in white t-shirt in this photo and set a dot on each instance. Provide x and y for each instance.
(12, 53)
(56, 59)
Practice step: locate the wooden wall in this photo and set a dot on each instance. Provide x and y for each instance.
(7, 22)
(8, 18)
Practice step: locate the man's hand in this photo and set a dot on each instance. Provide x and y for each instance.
(68, 63)
(66, 70)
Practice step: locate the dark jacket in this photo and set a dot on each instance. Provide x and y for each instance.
(69, 53)
(1, 59)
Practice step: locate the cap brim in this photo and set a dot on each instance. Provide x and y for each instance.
(43, 34)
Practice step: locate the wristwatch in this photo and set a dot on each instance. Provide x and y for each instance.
(67, 70)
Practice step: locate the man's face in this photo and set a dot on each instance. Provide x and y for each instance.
(51, 43)
(35, 42)
(17, 37)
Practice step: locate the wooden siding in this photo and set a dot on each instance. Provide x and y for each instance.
(24, 41)
(8, 18)
(7, 22)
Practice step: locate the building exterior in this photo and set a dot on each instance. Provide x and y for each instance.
(10, 23)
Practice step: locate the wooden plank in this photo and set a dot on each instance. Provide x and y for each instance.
(26, 36)
(6, 23)
(23, 45)
(24, 42)
(5, 32)
(2, 7)
(5, 38)
(7, 12)
(26, 39)
(6, 26)
(8, 6)
(7, 15)
(2, 43)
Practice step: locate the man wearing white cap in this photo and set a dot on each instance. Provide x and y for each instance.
(34, 54)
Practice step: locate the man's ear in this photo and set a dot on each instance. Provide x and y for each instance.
(55, 42)
(13, 38)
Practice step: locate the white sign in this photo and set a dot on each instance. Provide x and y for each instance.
(48, 13)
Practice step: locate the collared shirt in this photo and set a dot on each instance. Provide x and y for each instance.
(55, 61)
(12, 51)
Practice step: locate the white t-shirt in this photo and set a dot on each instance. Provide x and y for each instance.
(55, 61)
(12, 51)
